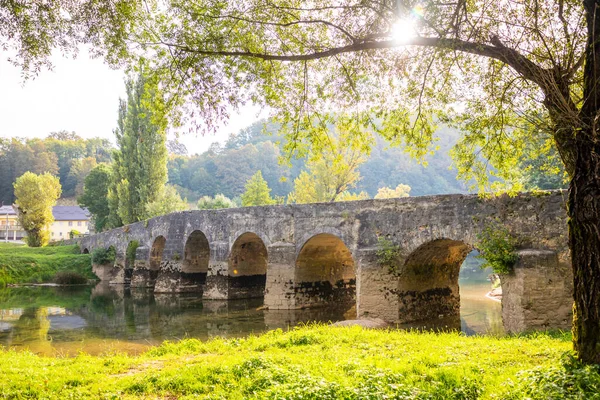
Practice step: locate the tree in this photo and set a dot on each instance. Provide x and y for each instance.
(329, 176)
(68, 147)
(80, 168)
(36, 195)
(168, 201)
(214, 203)
(507, 65)
(349, 196)
(388, 193)
(18, 156)
(95, 195)
(140, 165)
(177, 148)
(257, 192)
(34, 29)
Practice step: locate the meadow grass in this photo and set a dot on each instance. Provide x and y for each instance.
(22, 264)
(315, 362)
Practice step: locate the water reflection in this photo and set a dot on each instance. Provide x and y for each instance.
(107, 318)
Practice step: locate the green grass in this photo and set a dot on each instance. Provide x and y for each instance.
(315, 362)
(22, 264)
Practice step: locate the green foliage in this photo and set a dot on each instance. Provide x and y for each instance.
(497, 248)
(104, 256)
(331, 172)
(311, 362)
(215, 203)
(139, 170)
(388, 255)
(74, 233)
(257, 192)
(61, 154)
(388, 193)
(35, 197)
(571, 380)
(130, 252)
(34, 31)
(167, 201)
(352, 196)
(95, 193)
(69, 278)
(21, 264)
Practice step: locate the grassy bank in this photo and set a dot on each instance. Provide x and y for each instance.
(317, 362)
(22, 264)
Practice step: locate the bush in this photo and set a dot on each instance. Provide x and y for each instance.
(69, 278)
(497, 248)
(388, 255)
(104, 256)
(130, 252)
(219, 201)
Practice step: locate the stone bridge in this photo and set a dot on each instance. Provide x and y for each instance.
(326, 254)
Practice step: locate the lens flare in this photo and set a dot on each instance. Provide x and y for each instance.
(418, 10)
(403, 30)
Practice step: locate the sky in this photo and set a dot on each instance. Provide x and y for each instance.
(80, 95)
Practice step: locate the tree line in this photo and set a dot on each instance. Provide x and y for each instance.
(62, 154)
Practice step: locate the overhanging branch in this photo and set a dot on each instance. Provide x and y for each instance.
(522, 65)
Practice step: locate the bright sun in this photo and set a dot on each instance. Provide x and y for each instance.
(403, 30)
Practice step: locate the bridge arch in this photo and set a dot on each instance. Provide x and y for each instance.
(156, 253)
(325, 273)
(428, 281)
(247, 267)
(196, 257)
(85, 251)
(322, 230)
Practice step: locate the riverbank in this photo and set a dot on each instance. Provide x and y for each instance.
(314, 362)
(22, 264)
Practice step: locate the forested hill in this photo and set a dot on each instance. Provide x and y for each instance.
(225, 169)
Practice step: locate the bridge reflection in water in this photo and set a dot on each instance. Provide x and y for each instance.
(108, 318)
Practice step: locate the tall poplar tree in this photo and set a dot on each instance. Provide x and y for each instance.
(140, 163)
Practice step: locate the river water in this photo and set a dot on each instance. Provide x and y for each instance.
(65, 321)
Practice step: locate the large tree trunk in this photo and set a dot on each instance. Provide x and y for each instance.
(584, 241)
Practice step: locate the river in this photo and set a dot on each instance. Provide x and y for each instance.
(101, 319)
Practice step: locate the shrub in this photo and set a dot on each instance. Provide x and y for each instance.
(104, 256)
(497, 248)
(130, 252)
(388, 255)
(219, 201)
(69, 278)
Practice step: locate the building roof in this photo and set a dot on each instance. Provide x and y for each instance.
(70, 213)
(7, 210)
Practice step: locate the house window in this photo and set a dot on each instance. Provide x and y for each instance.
(61, 234)
(78, 223)
(70, 223)
(52, 233)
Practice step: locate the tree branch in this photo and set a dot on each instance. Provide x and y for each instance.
(522, 65)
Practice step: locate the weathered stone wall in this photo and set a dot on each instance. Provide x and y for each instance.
(537, 294)
(413, 224)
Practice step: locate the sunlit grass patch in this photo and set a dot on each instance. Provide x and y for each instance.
(315, 362)
(22, 264)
